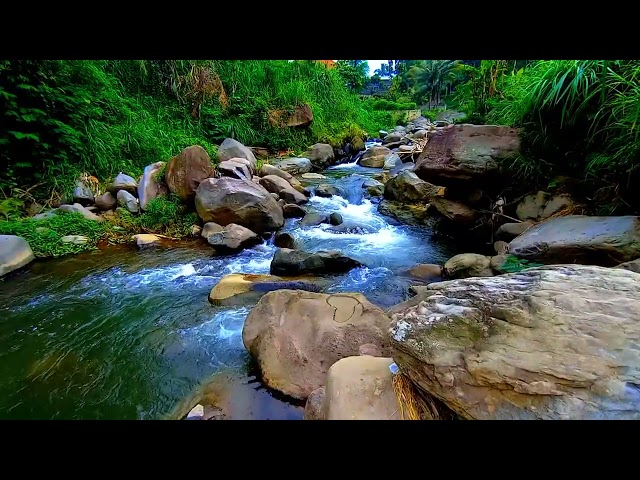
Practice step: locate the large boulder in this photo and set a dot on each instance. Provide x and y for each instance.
(356, 145)
(231, 148)
(407, 187)
(228, 200)
(123, 182)
(294, 165)
(301, 117)
(541, 206)
(454, 211)
(361, 388)
(468, 265)
(556, 342)
(291, 210)
(296, 336)
(234, 169)
(186, 170)
(233, 237)
(237, 284)
(605, 241)
(283, 188)
(106, 201)
(289, 262)
(426, 271)
(128, 201)
(375, 157)
(466, 154)
(321, 156)
(150, 186)
(15, 253)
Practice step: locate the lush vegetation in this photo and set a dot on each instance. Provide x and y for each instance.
(61, 118)
(514, 264)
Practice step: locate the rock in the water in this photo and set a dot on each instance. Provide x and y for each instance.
(233, 237)
(407, 187)
(236, 284)
(210, 228)
(75, 239)
(150, 187)
(335, 218)
(128, 201)
(312, 219)
(228, 200)
(234, 169)
(426, 271)
(296, 336)
(466, 153)
(468, 265)
(320, 155)
(106, 201)
(288, 262)
(294, 165)
(392, 161)
(361, 388)
(15, 253)
(271, 170)
(82, 194)
(326, 190)
(512, 230)
(144, 240)
(409, 213)
(556, 342)
(373, 187)
(283, 188)
(500, 247)
(541, 206)
(77, 208)
(231, 148)
(187, 170)
(314, 408)
(375, 157)
(291, 210)
(356, 145)
(633, 265)
(454, 211)
(605, 241)
(123, 182)
(284, 240)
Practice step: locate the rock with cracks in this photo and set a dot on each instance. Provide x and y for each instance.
(296, 336)
(556, 342)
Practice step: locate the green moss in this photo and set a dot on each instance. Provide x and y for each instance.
(514, 264)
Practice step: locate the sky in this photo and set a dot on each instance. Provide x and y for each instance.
(374, 65)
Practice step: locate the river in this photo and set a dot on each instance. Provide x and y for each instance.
(125, 334)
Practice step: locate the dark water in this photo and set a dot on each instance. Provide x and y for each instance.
(127, 334)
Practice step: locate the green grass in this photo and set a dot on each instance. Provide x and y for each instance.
(514, 264)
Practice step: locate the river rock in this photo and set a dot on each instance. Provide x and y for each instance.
(467, 154)
(196, 230)
(75, 239)
(233, 237)
(392, 161)
(294, 166)
(187, 170)
(633, 265)
(150, 187)
(15, 253)
(106, 201)
(283, 188)
(210, 228)
(314, 407)
(231, 148)
(335, 218)
(288, 262)
(296, 336)
(326, 190)
(291, 210)
(497, 263)
(267, 169)
(420, 134)
(312, 219)
(82, 194)
(373, 187)
(605, 241)
(393, 137)
(426, 271)
(454, 211)
(407, 187)
(361, 388)
(228, 200)
(512, 230)
(375, 157)
(409, 213)
(357, 145)
(284, 240)
(468, 265)
(541, 206)
(234, 169)
(128, 201)
(236, 284)
(500, 247)
(77, 208)
(123, 182)
(550, 343)
(321, 156)
(144, 240)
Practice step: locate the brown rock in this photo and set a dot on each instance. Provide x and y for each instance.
(106, 201)
(235, 169)
(283, 188)
(512, 230)
(233, 149)
(426, 271)
(468, 265)
(500, 247)
(272, 170)
(407, 187)
(370, 349)
(210, 228)
(233, 237)
(374, 157)
(633, 265)
(291, 210)
(301, 117)
(284, 240)
(454, 211)
(314, 408)
(186, 170)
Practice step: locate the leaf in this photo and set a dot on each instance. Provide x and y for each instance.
(22, 136)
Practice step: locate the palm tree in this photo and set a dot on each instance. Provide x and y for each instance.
(431, 78)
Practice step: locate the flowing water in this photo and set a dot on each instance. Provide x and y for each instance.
(127, 334)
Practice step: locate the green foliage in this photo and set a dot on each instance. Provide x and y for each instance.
(11, 208)
(432, 113)
(160, 174)
(353, 73)
(514, 264)
(44, 235)
(383, 104)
